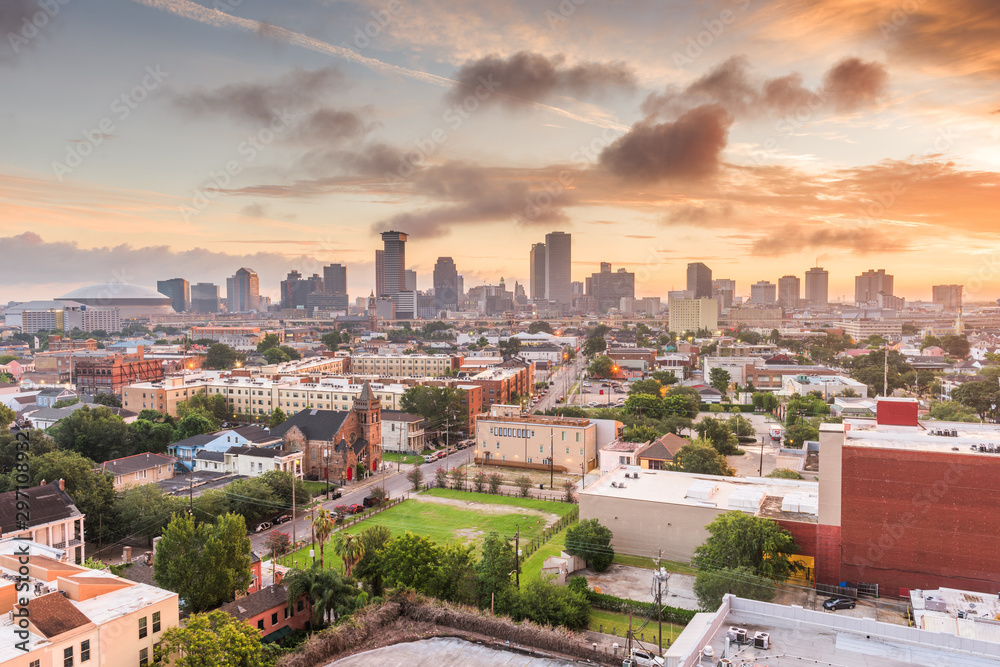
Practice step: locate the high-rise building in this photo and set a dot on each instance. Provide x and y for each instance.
(608, 289)
(870, 284)
(693, 315)
(699, 280)
(949, 296)
(410, 280)
(379, 272)
(179, 291)
(536, 262)
(205, 298)
(763, 293)
(445, 284)
(818, 286)
(788, 291)
(558, 268)
(335, 279)
(243, 291)
(724, 291)
(393, 262)
(289, 286)
(461, 289)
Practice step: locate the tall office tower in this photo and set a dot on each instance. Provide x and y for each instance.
(445, 284)
(461, 290)
(179, 291)
(788, 291)
(379, 272)
(724, 291)
(608, 289)
(818, 286)
(870, 284)
(205, 298)
(763, 293)
(558, 265)
(949, 296)
(699, 280)
(394, 262)
(335, 279)
(537, 270)
(243, 291)
(289, 286)
(410, 280)
(314, 284)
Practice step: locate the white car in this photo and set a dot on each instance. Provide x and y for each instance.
(587, 384)
(645, 659)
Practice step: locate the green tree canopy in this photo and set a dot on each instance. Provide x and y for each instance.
(645, 405)
(438, 405)
(277, 418)
(717, 432)
(495, 567)
(330, 595)
(651, 387)
(205, 564)
(216, 639)
(956, 346)
(194, 424)
(222, 357)
(703, 459)
(96, 433)
(719, 378)
(92, 491)
(602, 367)
(665, 377)
(140, 511)
(411, 561)
(802, 430)
(539, 326)
(270, 341)
(711, 585)
(331, 340)
(979, 396)
(737, 539)
(591, 541)
(594, 346)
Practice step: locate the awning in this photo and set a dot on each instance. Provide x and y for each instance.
(278, 634)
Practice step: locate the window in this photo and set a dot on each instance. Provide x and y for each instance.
(156, 621)
(541, 448)
(260, 624)
(286, 612)
(142, 627)
(623, 460)
(567, 450)
(85, 650)
(498, 445)
(35, 663)
(274, 618)
(143, 657)
(68, 656)
(564, 436)
(581, 451)
(578, 437)
(299, 606)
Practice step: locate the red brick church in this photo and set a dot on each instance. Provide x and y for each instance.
(334, 442)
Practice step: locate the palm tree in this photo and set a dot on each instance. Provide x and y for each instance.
(350, 549)
(323, 525)
(328, 593)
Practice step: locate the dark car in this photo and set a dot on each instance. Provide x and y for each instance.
(281, 519)
(335, 493)
(369, 502)
(833, 604)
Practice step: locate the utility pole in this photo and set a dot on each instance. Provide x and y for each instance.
(552, 455)
(660, 576)
(191, 489)
(885, 373)
(295, 478)
(517, 558)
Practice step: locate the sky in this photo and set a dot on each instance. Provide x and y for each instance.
(151, 139)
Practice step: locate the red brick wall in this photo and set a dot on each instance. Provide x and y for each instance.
(913, 519)
(898, 413)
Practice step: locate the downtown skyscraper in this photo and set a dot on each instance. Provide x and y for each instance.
(393, 263)
(558, 268)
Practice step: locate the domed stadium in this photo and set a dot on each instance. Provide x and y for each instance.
(130, 300)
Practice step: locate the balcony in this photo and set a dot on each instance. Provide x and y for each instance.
(65, 545)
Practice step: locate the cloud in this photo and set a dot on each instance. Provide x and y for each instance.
(700, 215)
(849, 85)
(687, 149)
(858, 239)
(329, 125)
(261, 101)
(532, 77)
(14, 16)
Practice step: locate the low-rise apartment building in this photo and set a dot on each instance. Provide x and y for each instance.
(139, 469)
(53, 519)
(505, 436)
(405, 364)
(403, 432)
(110, 373)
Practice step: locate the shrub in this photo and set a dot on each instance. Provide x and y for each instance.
(623, 606)
(568, 488)
(415, 477)
(441, 478)
(495, 480)
(523, 484)
(479, 480)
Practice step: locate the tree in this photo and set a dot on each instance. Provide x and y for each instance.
(411, 561)
(438, 405)
(270, 341)
(291, 352)
(592, 542)
(96, 433)
(956, 346)
(322, 526)
(108, 400)
(665, 377)
(150, 436)
(741, 427)
(640, 433)
(870, 369)
(214, 407)
(415, 477)
(92, 491)
(510, 347)
(711, 585)
(329, 594)
(702, 458)
(495, 567)
(369, 567)
(718, 434)
(602, 367)
(719, 378)
(456, 576)
(495, 480)
(539, 326)
(684, 401)
(594, 346)
(194, 424)
(139, 511)
(479, 481)
(737, 539)
(441, 478)
(331, 340)
(277, 544)
(216, 639)
(6, 417)
(221, 357)
(253, 499)
(275, 356)
(951, 411)
(523, 483)
(765, 401)
(797, 434)
(276, 418)
(205, 564)
(281, 482)
(978, 395)
(651, 387)
(457, 477)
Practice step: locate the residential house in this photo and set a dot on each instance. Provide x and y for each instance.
(268, 611)
(139, 469)
(255, 461)
(46, 418)
(53, 519)
(660, 453)
(619, 453)
(49, 396)
(220, 442)
(402, 432)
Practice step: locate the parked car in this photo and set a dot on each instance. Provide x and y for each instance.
(833, 604)
(368, 502)
(336, 493)
(262, 527)
(281, 519)
(642, 658)
(356, 508)
(430, 458)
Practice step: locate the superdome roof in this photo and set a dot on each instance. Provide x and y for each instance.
(112, 292)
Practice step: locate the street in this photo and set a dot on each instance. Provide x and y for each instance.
(560, 382)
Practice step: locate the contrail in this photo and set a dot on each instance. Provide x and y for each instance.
(214, 17)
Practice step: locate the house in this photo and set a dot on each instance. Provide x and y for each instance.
(139, 469)
(660, 453)
(618, 453)
(53, 519)
(186, 450)
(268, 611)
(334, 442)
(46, 418)
(255, 461)
(709, 394)
(49, 396)
(76, 615)
(402, 432)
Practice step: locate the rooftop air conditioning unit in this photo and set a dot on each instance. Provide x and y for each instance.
(762, 640)
(741, 635)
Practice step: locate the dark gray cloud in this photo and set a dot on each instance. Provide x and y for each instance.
(689, 214)
(17, 29)
(686, 149)
(849, 85)
(327, 125)
(861, 240)
(532, 77)
(261, 101)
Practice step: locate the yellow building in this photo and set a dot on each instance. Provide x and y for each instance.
(504, 436)
(693, 314)
(405, 364)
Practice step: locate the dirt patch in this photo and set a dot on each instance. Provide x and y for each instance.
(468, 534)
(486, 508)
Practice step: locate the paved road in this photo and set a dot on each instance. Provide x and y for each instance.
(560, 382)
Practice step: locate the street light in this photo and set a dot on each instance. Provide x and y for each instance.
(326, 469)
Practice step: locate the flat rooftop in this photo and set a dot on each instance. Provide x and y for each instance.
(938, 611)
(792, 500)
(799, 636)
(927, 436)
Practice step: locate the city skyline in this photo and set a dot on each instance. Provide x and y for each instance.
(286, 137)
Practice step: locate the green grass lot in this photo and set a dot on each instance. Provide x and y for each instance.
(406, 458)
(446, 524)
(610, 622)
(317, 488)
(531, 568)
